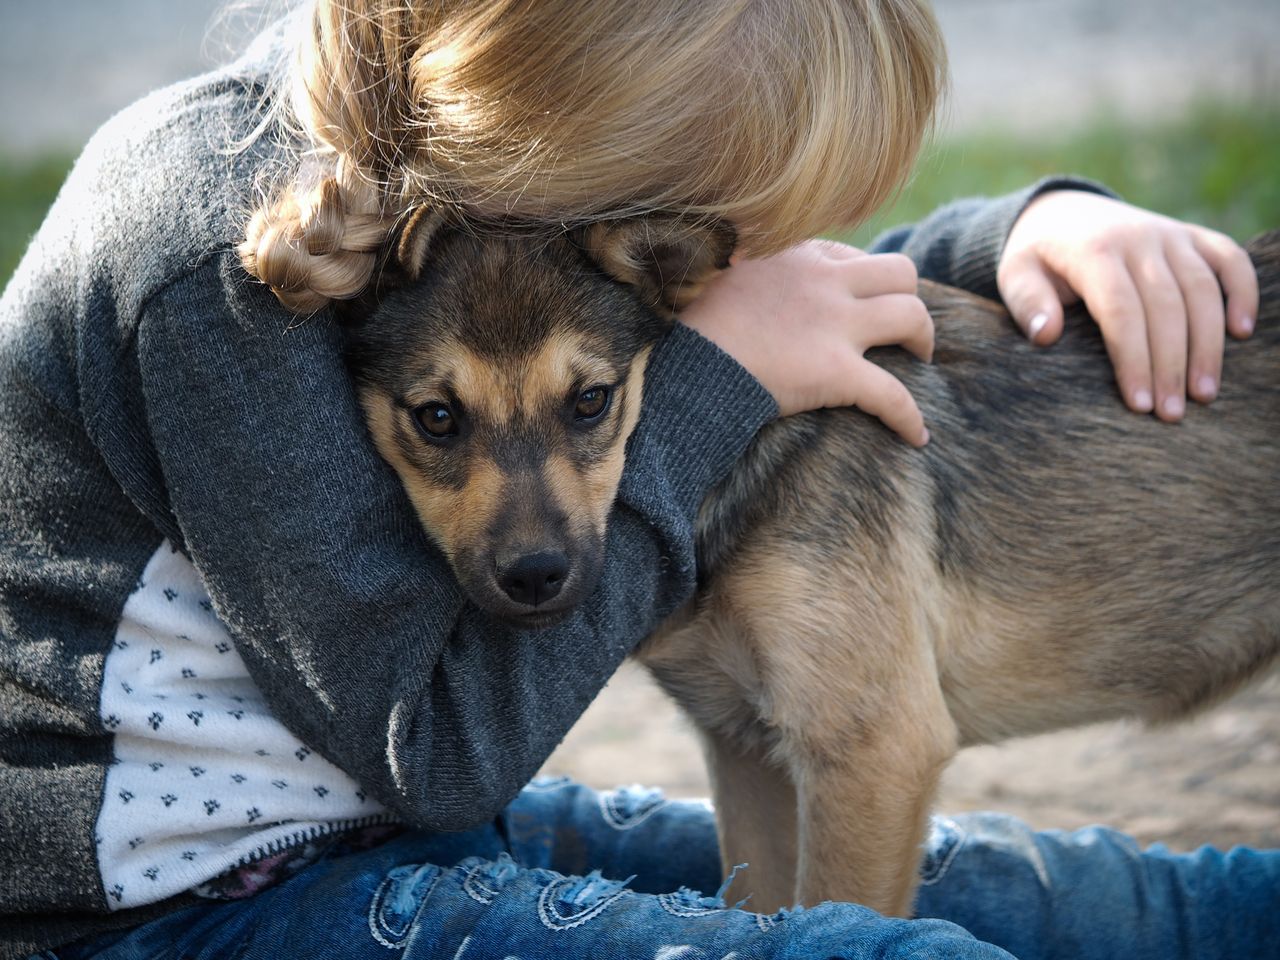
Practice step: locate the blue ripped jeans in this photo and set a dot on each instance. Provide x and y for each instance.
(571, 874)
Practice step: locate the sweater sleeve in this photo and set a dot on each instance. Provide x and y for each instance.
(347, 616)
(960, 244)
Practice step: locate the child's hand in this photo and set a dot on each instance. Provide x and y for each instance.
(801, 321)
(1154, 285)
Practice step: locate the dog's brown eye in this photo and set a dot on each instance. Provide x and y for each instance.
(591, 404)
(437, 421)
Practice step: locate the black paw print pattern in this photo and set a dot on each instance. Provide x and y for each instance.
(182, 709)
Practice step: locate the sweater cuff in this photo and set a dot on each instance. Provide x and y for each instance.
(701, 409)
(982, 242)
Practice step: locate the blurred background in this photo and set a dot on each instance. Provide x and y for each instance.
(1173, 103)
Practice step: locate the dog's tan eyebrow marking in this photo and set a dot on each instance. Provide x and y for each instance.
(496, 389)
(551, 373)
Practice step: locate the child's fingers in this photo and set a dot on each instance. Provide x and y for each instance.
(1166, 328)
(1114, 302)
(1238, 277)
(896, 319)
(1206, 318)
(880, 273)
(839, 251)
(1032, 298)
(882, 395)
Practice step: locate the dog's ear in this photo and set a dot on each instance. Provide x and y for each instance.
(413, 246)
(400, 262)
(666, 257)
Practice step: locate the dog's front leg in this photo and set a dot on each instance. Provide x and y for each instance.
(756, 820)
(863, 807)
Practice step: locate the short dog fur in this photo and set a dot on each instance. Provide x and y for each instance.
(866, 608)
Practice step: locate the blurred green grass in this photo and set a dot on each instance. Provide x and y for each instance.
(1218, 164)
(27, 187)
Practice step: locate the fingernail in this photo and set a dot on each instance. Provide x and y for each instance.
(924, 437)
(1174, 406)
(1208, 387)
(1038, 323)
(1142, 401)
(1246, 325)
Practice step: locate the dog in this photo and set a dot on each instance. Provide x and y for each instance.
(865, 608)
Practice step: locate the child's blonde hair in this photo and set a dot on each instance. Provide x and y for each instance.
(785, 117)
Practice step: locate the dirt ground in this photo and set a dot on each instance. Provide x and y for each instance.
(1214, 779)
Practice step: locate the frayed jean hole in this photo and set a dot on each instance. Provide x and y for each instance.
(765, 922)
(689, 903)
(628, 807)
(941, 849)
(1004, 836)
(573, 901)
(398, 901)
(482, 881)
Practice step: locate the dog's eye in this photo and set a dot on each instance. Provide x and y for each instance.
(437, 421)
(591, 404)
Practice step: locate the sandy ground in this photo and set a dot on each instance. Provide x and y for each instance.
(1214, 779)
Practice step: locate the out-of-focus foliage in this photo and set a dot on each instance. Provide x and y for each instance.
(27, 187)
(1217, 165)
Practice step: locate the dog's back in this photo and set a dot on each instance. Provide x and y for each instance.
(1100, 562)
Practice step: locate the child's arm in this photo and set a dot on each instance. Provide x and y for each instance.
(1151, 283)
(348, 619)
(802, 320)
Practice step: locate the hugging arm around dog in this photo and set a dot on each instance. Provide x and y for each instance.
(225, 636)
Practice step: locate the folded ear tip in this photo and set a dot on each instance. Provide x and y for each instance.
(726, 236)
(420, 227)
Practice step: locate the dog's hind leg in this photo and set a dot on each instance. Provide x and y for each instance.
(756, 819)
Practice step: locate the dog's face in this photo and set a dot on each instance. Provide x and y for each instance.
(502, 382)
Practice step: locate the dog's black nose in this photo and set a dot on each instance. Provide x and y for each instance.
(536, 578)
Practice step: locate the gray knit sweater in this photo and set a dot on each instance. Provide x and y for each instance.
(151, 394)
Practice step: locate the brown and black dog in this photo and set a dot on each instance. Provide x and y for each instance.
(867, 609)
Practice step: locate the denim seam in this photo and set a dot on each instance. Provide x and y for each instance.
(375, 919)
(551, 918)
(476, 890)
(615, 819)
